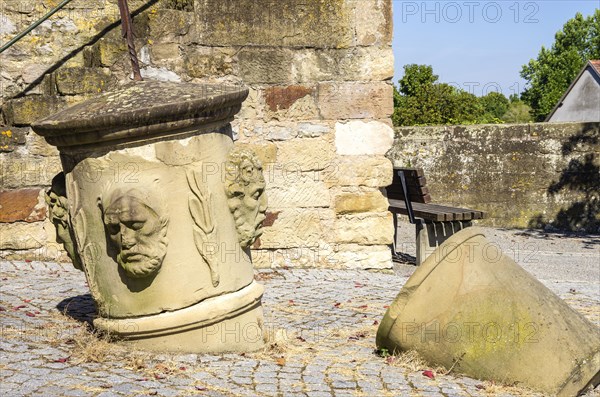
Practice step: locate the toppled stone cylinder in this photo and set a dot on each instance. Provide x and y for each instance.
(159, 208)
(472, 309)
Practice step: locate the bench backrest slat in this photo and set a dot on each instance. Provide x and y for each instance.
(416, 185)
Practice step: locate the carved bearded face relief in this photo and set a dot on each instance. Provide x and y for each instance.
(245, 186)
(137, 231)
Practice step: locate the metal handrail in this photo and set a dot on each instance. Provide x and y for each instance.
(127, 32)
(34, 25)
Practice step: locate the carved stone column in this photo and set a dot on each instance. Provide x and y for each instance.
(159, 208)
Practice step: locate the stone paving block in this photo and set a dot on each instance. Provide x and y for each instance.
(350, 366)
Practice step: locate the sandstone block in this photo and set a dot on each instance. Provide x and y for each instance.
(267, 66)
(361, 201)
(298, 227)
(11, 137)
(372, 22)
(355, 256)
(374, 171)
(106, 52)
(345, 64)
(282, 97)
(301, 190)
(22, 236)
(82, 80)
(312, 130)
(165, 51)
(355, 100)
(305, 154)
(38, 146)
(26, 110)
(168, 24)
(21, 205)
(28, 172)
(208, 62)
(319, 23)
(364, 229)
(360, 138)
(266, 152)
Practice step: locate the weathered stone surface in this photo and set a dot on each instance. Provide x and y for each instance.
(537, 337)
(266, 152)
(82, 80)
(373, 22)
(208, 62)
(38, 146)
(512, 172)
(312, 130)
(360, 201)
(364, 229)
(306, 154)
(355, 256)
(26, 110)
(297, 190)
(320, 23)
(265, 65)
(165, 51)
(298, 228)
(25, 172)
(106, 52)
(23, 205)
(282, 97)
(359, 138)
(22, 236)
(11, 137)
(169, 24)
(373, 171)
(347, 64)
(355, 100)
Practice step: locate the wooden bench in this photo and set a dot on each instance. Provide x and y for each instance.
(408, 195)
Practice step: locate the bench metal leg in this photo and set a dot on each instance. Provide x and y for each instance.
(430, 235)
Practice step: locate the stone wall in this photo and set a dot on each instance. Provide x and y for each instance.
(318, 113)
(522, 175)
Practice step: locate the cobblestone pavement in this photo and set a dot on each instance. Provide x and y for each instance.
(321, 328)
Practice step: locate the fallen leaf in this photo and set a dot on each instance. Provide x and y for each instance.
(363, 306)
(386, 307)
(480, 386)
(301, 339)
(201, 388)
(281, 361)
(2, 309)
(375, 322)
(19, 307)
(429, 374)
(26, 300)
(291, 302)
(29, 314)
(337, 304)
(27, 260)
(182, 368)
(61, 360)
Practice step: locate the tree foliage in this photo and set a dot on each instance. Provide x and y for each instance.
(421, 100)
(550, 74)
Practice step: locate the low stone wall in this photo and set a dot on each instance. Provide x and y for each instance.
(522, 175)
(318, 113)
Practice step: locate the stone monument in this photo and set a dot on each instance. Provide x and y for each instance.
(159, 208)
(473, 309)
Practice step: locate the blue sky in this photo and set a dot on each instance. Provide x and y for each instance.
(479, 46)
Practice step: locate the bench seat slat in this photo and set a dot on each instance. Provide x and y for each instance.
(438, 213)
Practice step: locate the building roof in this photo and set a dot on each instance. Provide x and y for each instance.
(594, 65)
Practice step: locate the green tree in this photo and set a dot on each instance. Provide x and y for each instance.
(550, 74)
(494, 105)
(422, 100)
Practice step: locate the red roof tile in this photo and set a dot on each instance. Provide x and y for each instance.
(596, 64)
